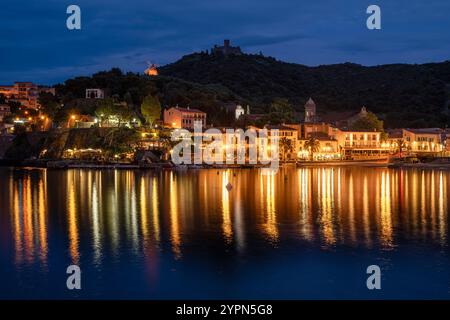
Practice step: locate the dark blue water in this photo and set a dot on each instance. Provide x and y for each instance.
(300, 234)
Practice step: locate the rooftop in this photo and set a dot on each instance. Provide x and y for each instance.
(425, 130)
(188, 110)
(279, 127)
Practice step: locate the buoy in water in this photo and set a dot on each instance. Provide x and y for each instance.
(229, 186)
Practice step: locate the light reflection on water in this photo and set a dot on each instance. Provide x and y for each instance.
(102, 218)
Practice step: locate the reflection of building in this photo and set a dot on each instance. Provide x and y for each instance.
(176, 117)
(226, 49)
(95, 94)
(26, 93)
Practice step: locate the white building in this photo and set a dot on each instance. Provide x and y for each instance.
(239, 111)
(95, 94)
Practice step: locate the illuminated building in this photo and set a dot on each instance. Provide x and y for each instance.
(26, 93)
(151, 70)
(287, 150)
(176, 117)
(362, 145)
(239, 112)
(95, 94)
(425, 141)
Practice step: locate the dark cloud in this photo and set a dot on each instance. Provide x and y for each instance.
(35, 44)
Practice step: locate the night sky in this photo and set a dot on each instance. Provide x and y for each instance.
(36, 46)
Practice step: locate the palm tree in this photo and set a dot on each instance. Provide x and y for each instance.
(286, 146)
(313, 146)
(400, 145)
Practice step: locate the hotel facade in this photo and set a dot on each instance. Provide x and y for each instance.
(183, 118)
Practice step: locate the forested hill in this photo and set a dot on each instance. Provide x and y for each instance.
(401, 94)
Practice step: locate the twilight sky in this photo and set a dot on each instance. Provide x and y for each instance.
(35, 44)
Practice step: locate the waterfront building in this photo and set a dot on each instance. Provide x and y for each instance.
(319, 128)
(327, 149)
(287, 140)
(362, 145)
(177, 117)
(425, 141)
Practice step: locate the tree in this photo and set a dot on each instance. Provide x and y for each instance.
(168, 143)
(286, 147)
(401, 144)
(21, 148)
(313, 145)
(281, 111)
(49, 104)
(119, 140)
(151, 109)
(369, 122)
(107, 109)
(123, 113)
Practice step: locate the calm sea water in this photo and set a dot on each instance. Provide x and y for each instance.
(302, 233)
